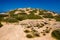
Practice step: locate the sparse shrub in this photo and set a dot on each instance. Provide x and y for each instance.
(44, 34)
(21, 17)
(45, 23)
(11, 20)
(39, 26)
(32, 12)
(1, 17)
(11, 13)
(27, 9)
(42, 25)
(45, 10)
(47, 27)
(29, 36)
(1, 25)
(47, 31)
(34, 30)
(22, 11)
(31, 16)
(56, 34)
(36, 34)
(29, 26)
(26, 31)
(35, 11)
(57, 18)
(48, 15)
(41, 13)
(50, 28)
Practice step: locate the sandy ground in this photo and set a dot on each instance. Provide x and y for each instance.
(16, 32)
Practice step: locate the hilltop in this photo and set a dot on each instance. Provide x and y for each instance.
(29, 24)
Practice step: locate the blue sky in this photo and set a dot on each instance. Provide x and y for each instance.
(53, 5)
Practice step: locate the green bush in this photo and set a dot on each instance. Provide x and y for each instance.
(33, 30)
(26, 31)
(57, 18)
(25, 16)
(45, 10)
(33, 11)
(22, 17)
(1, 25)
(48, 15)
(22, 11)
(29, 36)
(47, 31)
(41, 13)
(56, 34)
(36, 35)
(27, 9)
(11, 20)
(31, 16)
(11, 13)
(29, 26)
(1, 17)
(44, 34)
(39, 26)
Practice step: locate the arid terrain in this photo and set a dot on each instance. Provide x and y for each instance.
(29, 24)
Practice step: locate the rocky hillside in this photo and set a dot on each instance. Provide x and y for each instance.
(29, 24)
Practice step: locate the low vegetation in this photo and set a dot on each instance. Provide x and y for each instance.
(23, 15)
(29, 36)
(11, 20)
(26, 31)
(1, 25)
(56, 34)
(57, 18)
(36, 35)
(1, 17)
(39, 26)
(48, 15)
(33, 16)
(41, 13)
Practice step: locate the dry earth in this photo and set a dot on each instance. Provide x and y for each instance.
(16, 31)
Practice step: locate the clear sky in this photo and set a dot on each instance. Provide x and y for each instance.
(53, 5)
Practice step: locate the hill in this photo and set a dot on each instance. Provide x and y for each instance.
(29, 24)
